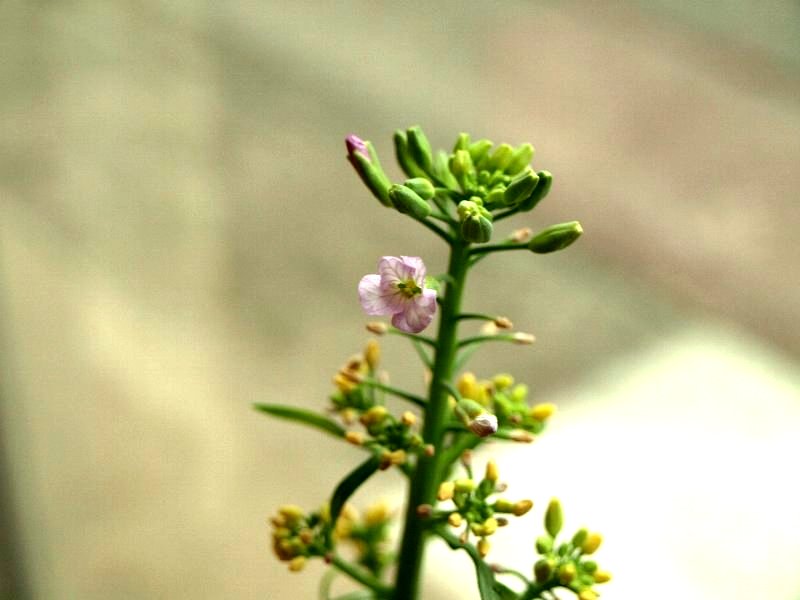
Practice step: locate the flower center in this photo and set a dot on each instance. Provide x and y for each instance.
(409, 288)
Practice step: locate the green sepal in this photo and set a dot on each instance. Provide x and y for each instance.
(420, 148)
(408, 202)
(441, 171)
(521, 158)
(403, 155)
(521, 188)
(539, 192)
(350, 484)
(555, 237)
(304, 417)
(463, 169)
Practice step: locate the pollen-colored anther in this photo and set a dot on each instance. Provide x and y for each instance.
(408, 419)
(455, 519)
(297, 563)
(483, 547)
(602, 576)
(521, 235)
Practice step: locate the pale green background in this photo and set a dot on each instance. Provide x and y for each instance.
(180, 236)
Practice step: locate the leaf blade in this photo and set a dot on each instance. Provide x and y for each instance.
(302, 416)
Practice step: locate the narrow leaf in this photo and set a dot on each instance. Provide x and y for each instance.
(487, 586)
(299, 415)
(351, 483)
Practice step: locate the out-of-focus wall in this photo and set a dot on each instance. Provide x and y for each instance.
(180, 236)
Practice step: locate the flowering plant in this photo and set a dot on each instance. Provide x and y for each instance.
(459, 196)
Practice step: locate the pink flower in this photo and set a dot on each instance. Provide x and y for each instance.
(398, 289)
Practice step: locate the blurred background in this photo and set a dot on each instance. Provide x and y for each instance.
(181, 236)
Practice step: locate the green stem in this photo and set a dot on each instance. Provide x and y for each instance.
(361, 576)
(426, 480)
(477, 250)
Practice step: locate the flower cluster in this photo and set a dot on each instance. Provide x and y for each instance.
(297, 536)
(474, 507)
(564, 564)
(369, 534)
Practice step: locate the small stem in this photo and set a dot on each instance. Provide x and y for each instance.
(413, 336)
(505, 214)
(396, 392)
(437, 230)
(478, 250)
(475, 316)
(499, 337)
(360, 576)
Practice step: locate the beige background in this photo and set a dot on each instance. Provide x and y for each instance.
(180, 236)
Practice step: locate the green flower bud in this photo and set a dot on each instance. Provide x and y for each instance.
(408, 202)
(538, 194)
(555, 237)
(579, 537)
(470, 408)
(554, 518)
(420, 148)
(521, 188)
(479, 151)
(521, 158)
(500, 158)
(544, 544)
(371, 173)
(566, 573)
(477, 229)
(590, 566)
(543, 569)
(421, 186)
(463, 170)
(462, 143)
(441, 170)
(496, 197)
(404, 157)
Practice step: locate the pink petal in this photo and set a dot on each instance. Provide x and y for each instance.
(392, 269)
(415, 262)
(417, 314)
(373, 299)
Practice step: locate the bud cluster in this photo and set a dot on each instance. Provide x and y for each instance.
(507, 401)
(475, 510)
(297, 536)
(565, 564)
(369, 534)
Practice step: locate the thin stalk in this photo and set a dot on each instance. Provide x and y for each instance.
(414, 399)
(360, 576)
(426, 480)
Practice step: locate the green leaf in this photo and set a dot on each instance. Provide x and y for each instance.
(299, 415)
(351, 483)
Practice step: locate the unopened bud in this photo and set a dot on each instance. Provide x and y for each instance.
(521, 436)
(374, 415)
(408, 418)
(483, 547)
(462, 143)
(455, 519)
(354, 437)
(503, 506)
(490, 525)
(365, 161)
(297, 564)
(503, 322)
(587, 594)
(372, 354)
(421, 186)
(522, 157)
(407, 201)
(463, 170)
(566, 573)
(602, 576)
(420, 148)
(479, 151)
(491, 471)
(502, 381)
(464, 485)
(523, 339)
(404, 157)
(466, 385)
(446, 489)
(521, 188)
(543, 569)
(544, 544)
(500, 158)
(377, 327)
(579, 537)
(555, 237)
(483, 425)
(540, 191)
(543, 411)
(291, 513)
(591, 543)
(522, 507)
(554, 517)
(476, 229)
